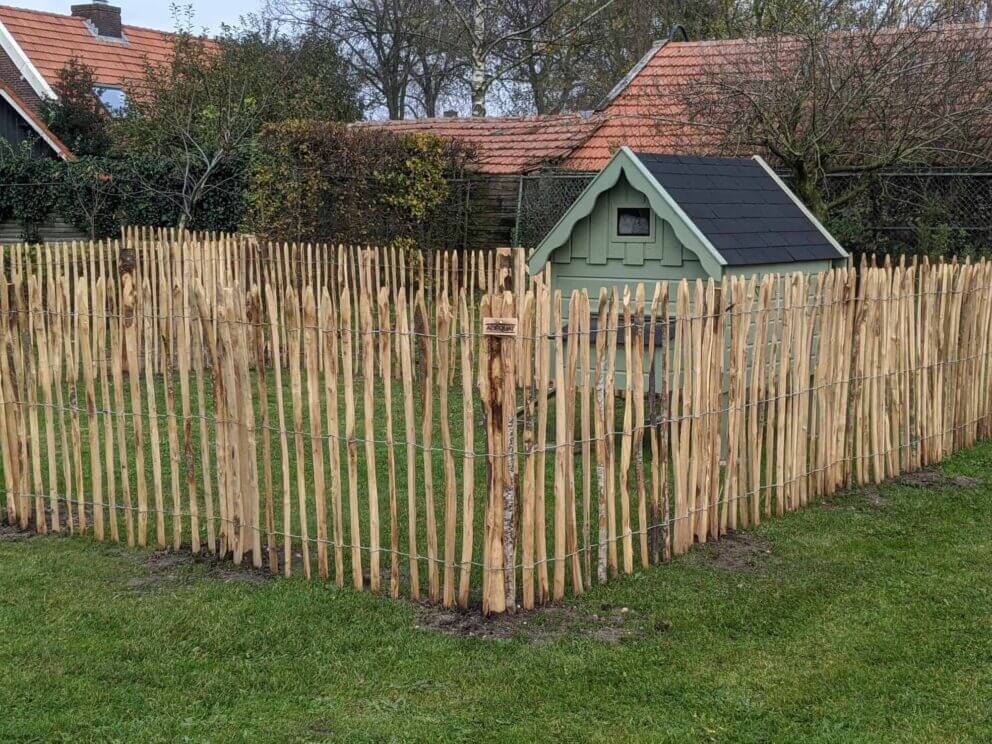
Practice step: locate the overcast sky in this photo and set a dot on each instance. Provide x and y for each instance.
(158, 13)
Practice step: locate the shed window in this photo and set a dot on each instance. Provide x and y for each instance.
(633, 221)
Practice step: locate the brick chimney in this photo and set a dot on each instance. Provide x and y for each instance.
(105, 18)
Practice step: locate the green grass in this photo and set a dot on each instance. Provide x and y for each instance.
(868, 619)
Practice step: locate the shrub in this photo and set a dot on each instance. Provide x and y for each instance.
(312, 181)
(97, 195)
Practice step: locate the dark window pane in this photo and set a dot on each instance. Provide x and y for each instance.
(634, 221)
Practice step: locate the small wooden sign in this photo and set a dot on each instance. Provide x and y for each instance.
(499, 327)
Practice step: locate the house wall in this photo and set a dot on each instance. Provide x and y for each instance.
(53, 230)
(12, 77)
(15, 130)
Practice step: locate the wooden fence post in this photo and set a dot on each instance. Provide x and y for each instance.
(495, 373)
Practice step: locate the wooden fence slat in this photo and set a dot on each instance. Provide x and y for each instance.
(527, 415)
(681, 411)
(347, 369)
(406, 365)
(627, 438)
(443, 326)
(273, 306)
(421, 328)
(561, 484)
(93, 426)
(32, 316)
(172, 428)
(315, 415)
(385, 367)
(582, 320)
(257, 327)
(636, 341)
(294, 330)
(45, 377)
(542, 363)
(203, 330)
(366, 331)
(329, 328)
(508, 522)
(468, 443)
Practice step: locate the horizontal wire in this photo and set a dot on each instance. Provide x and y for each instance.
(643, 325)
(724, 501)
(636, 428)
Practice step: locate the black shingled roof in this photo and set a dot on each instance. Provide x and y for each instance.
(740, 208)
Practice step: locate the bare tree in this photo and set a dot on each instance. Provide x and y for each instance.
(495, 45)
(202, 112)
(569, 72)
(842, 87)
(375, 36)
(438, 70)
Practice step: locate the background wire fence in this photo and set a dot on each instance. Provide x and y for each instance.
(933, 212)
(353, 415)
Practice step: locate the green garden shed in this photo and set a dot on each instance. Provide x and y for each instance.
(647, 217)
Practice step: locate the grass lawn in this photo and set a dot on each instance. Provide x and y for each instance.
(865, 618)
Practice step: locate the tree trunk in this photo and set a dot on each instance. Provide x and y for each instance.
(478, 83)
(478, 96)
(394, 105)
(430, 105)
(807, 188)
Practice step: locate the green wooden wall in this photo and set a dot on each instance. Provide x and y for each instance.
(594, 256)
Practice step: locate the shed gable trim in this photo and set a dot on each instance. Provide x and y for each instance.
(627, 163)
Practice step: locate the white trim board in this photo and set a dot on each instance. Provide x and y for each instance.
(24, 64)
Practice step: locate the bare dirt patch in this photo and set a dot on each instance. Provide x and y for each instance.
(608, 624)
(743, 552)
(966, 481)
(168, 568)
(934, 479)
(10, 532)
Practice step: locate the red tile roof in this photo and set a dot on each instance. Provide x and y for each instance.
(648, 114)
(508, 144)
(50, 40)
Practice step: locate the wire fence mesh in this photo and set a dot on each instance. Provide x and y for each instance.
(939, 213)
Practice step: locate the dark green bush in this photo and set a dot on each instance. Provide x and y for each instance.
(97, 195)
